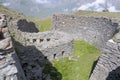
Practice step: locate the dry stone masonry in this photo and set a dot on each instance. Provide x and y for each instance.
(108, 66)
(96, 30)
(36, 49)
(41, 48)
(10, 68)
(53, 44)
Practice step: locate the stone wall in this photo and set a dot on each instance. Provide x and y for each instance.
(52, 44)
(40, 48)
(108, 66)
(10, 68)
(36, 49)
(58, 44)
(96, 30)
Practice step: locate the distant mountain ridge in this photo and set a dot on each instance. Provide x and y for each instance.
(45, 8)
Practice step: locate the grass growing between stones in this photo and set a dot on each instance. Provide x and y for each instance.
(80, 64)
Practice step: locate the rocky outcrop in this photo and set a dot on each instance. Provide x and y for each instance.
(95, 30)
(108, 66)
(10, 68)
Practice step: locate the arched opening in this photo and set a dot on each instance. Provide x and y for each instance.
(63, 53)
(54, 56)
(45, 57)
(48, 39)
(41, 40)
(34, 40)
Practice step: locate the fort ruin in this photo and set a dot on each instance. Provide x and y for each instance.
(38, 48)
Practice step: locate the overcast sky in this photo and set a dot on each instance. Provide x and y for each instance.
(44, 8)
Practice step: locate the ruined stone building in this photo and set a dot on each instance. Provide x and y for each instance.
(36, 48)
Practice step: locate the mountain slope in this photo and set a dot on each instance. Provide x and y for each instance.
(45, 8)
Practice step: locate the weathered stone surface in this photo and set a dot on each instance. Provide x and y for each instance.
(96, 30)
(51, 43)
(3, 21)
(108, 64)
(36, 49)
(5, 43)
(5, 32)
(116, 37)
(41, 48)
(9, 69)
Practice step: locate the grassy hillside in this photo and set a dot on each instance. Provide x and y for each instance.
(93, 13)
(12, 13)
(41, 24)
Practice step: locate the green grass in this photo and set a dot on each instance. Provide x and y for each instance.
(93, 13)
(105, 14)
(45, 26)
(80, 66)
(42, 24)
